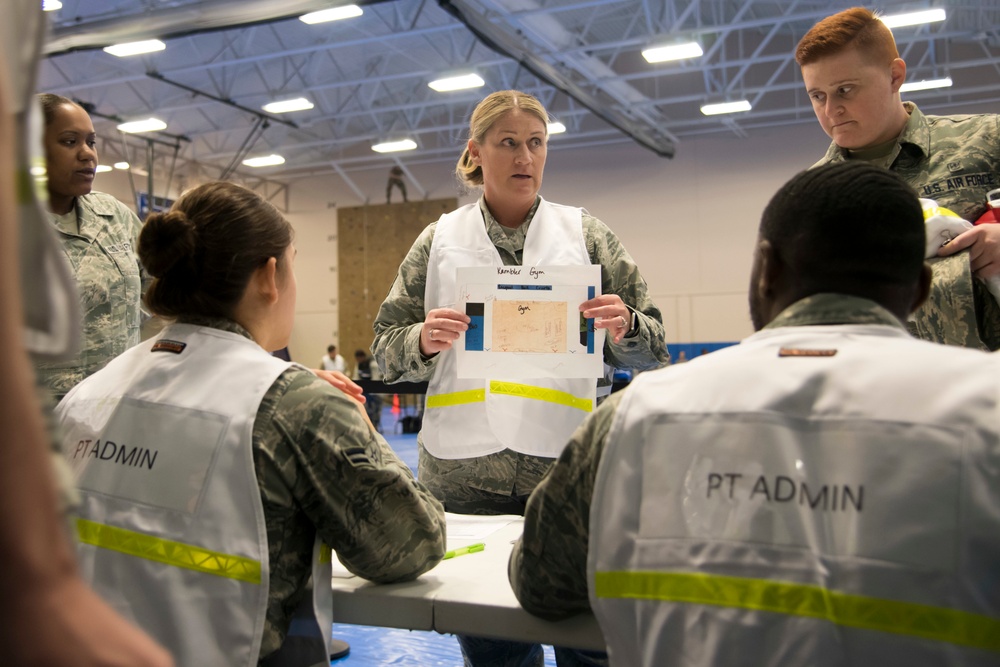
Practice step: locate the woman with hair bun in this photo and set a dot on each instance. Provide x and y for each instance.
(215, 477)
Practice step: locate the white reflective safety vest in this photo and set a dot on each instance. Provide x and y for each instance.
(817, 495)
(171, 528)
(466, 418)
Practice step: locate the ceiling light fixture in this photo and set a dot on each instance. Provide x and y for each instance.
(331, 14)
(926, 85)
(298, 104)
(395, 146)
(265, 161)
(101, 168)
(661, 54)
(135, 48)
(913, 18)
(148, 125)
(555, 127)
(51, 5)
(725, 107)
(121, 165)
(458, 82)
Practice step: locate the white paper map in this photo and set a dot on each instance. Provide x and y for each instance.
(526, 322)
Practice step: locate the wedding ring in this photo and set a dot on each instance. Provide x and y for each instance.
(624, 322)
(430, 334)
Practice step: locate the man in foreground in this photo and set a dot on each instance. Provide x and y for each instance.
(819, 494)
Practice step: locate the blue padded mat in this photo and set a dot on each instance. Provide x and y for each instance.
(371, 647)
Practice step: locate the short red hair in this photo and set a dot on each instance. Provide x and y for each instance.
(857, 28)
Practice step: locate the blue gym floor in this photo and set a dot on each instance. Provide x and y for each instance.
(373, 646)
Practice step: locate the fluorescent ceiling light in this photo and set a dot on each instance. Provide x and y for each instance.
(298, 104)
(101, 168)
(555, 127)
(926, 85)
(265, 161)
(51, 5)
(394, 146)
(121, 165)
(914, 18)
(662, 54)
(725, 107)
(460, 82)
(332, 14)
(148, 125)
(135, 48)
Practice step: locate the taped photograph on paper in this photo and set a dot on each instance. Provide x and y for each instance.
(526, 322)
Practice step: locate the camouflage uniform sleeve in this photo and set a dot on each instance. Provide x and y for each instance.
(647, 349)
(132, 222)
(396, 347)
(548, 565)
(364, 502)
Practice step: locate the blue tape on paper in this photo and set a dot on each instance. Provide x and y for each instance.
(474, 335)
(589, 323)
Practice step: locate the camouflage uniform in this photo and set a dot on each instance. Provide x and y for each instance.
(110, 282)
(321, 468)
(476, 485)
(954, 160)
(548, 565)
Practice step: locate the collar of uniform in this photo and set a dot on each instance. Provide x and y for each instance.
(221, 323)
(832, 308)
(98, 203)
(500, 235)
(917, 132)
(834, 153)
(88, 207)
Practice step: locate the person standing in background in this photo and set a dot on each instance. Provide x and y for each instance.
(363, 368)
(395, 181)
(467, 463)
(332, 361)
(366, 369)
(98, 235)
(852, 73)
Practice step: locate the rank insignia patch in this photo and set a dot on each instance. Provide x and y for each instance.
(795, 352)
(172, 346)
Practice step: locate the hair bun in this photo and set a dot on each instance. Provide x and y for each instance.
(168, 242)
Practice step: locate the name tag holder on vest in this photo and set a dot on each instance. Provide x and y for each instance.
(151, 456)
(832, 487)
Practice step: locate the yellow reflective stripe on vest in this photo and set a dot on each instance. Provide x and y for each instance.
(169, 552)
(510, 389)
(541, 394)
(856, 611)
(456, 398)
